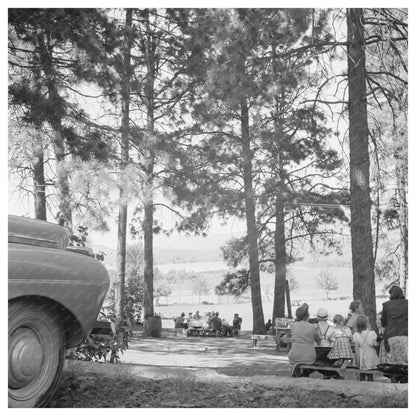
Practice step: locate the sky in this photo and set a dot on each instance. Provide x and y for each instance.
(21, 205)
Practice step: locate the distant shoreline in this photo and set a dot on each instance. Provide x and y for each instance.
(211, 266)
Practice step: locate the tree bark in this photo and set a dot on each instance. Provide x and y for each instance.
(401, 175)
(361, 236)
(280, 232)
(280, 262)
(55, 120)
(148, 307)
(62, 182)
(288, 301)
(250, 210)
(39, 184)
(124, 160)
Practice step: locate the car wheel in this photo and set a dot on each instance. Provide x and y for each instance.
(36, 353)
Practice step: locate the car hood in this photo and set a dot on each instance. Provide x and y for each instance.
(37, 233)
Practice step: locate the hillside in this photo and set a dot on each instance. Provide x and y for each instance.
(168, 255)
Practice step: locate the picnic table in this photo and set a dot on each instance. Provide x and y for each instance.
(195, 331)
(283, 337)
(200, 331)
(325, 366)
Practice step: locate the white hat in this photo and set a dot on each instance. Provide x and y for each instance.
(322, 313)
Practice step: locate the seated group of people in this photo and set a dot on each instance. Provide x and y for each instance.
(391, 336)
(210, 322)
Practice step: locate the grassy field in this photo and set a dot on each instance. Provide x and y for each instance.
(227, 310)
(307, 291)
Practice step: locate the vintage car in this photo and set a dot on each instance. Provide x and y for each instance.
(55, 294)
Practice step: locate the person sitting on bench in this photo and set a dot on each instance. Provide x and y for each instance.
(326, 331)
(226, 329)
(304, 334)
(216, 324)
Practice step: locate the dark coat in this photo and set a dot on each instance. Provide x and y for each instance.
(237, 322)
(394, 318)
(216, 323)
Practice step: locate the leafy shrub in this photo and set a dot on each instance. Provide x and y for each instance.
(105, 348)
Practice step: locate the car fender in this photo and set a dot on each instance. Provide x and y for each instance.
(76, 281)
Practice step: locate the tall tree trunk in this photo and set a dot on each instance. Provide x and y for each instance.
(361, 236)
(148, 308)
(288, 301)
(55, 120)
(149, 328)
(280, 233)
(250, 208)
(401, 175)
(62, 181)
(280, 262)
(124, 160)
(39, 184)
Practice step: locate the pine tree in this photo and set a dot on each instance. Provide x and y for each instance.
(361, 234)
(50, 53)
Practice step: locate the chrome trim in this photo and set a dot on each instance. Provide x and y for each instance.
(87, 251)
(29, 239)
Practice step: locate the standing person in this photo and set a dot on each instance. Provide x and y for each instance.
(356, 308)
(304, 335)
(268, 325)
(394, 320)
(237, 324)
(342, 337)
(326, 331)
(365, 341)
(179, 321)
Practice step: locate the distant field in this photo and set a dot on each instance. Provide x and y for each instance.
(227, 310)
(307, 292)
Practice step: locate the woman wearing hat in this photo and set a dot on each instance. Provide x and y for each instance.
(326, 331)
(304, 335)
(394, 320)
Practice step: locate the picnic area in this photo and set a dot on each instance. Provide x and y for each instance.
(231, 365)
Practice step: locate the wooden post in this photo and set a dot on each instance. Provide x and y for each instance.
(288, 303)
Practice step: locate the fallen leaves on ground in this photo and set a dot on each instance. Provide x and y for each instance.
(96, 391)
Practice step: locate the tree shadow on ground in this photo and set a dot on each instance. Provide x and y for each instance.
(231, 356)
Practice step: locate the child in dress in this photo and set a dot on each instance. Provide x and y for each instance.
(365, 340)
(342, 337)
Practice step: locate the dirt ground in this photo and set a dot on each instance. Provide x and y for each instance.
(231, 356)
(175, 371)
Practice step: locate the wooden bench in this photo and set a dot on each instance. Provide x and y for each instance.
(283, 337)
(194, 331)
(286, 343)
(304, 370)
